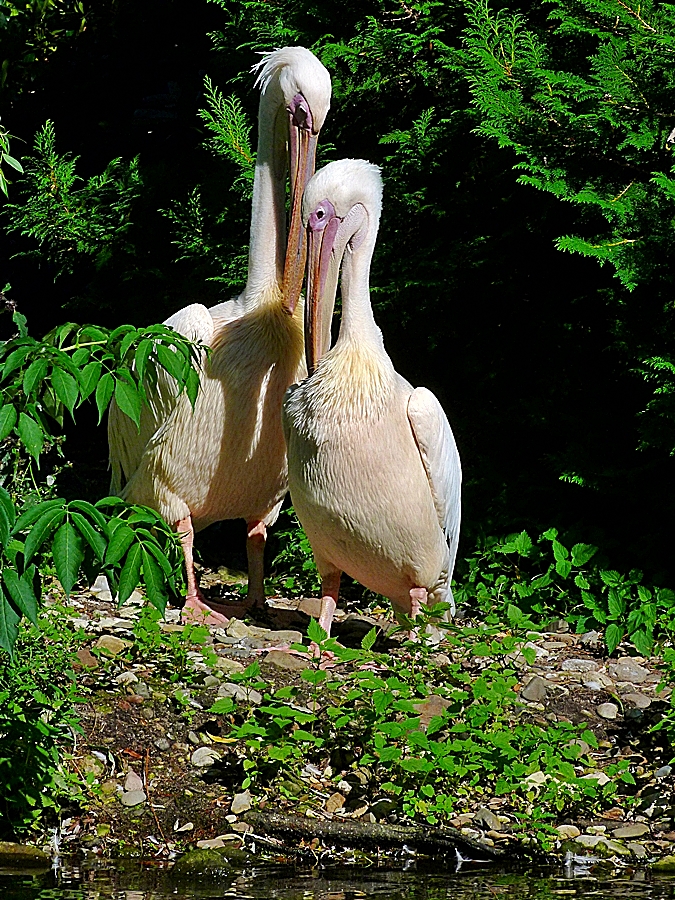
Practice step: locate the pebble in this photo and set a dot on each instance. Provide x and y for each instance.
(335, 801)
(667, 864)
(568, 831)
(237, 692)
(133, 783)
(486, 817)
(20, 855)
(590, 639)
(579, 665)
(240, 803)
(283, 660)
(194, 738)
(608, 710)
(126, 678)
(663, 772)
(535, 690)
(633, 830)
(310, 606)
(142, 690)
(229, 665)
(600, 777)
(204, 757)
(111, 645)
(626, 669)
(641, 701)
(428, 709)
(162, 743)
(237, 629)
(133, 798)
(86, 658)
(638, 850)
(211, 681)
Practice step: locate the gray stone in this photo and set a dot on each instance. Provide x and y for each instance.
(590, 639)
(283, 660)
(568, 831)
(639, 851)
(237, 692)
(310, 606)
(211, 681)
(111, 645)
(202, 863)
(608, 710)
(241, 802)
(19, 856)
(133, 782)
(194, 739)
(640, 701)
(602, 845)
(274, 638)
(133, 798)
(162, 744)
(486, 817)
(663, 772)
(593, 685)
(126, 678)
(535, 690)
(634, 830)
(579, 665)
(229, 665)
(237, 629)
(204, 757)
(626, 669)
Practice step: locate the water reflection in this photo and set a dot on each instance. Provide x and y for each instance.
(125, 881)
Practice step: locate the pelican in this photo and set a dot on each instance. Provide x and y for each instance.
(374, 472)
(226, 459)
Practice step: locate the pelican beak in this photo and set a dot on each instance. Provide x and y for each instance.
(303, 152)
(321, 242)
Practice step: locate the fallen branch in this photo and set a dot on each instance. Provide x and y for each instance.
(433, 841)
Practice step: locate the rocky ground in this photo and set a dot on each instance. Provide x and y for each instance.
(161, 778)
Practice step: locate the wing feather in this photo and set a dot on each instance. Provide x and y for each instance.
(440, 458)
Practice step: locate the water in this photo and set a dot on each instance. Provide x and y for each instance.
(139, 881)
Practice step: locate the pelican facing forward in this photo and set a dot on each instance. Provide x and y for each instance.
(374, 472)
(227, 458)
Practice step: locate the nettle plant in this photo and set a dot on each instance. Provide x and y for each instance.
(42, 381)
(533, 582)
(419, 738)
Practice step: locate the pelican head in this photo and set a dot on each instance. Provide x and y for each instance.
(305, 86)
(341, 208)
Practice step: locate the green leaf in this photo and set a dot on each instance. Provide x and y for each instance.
(41, 531)
(94, 538)
(171, 361)
(143, 351)
(643, 642)
(35, 372)
(9, 620)
(119, 543)
(14, 163)
(31, 435)
(129, 400)
(85, 507)
(581, 553)
(563, 567)
(131, 574)
(66, 388)
(104, 392)
(89, 377)
(369, 639)
(20, 590)
(33, 513)
(127, 341)
(315, 632)
(559, 551)
(7, 420)
(153, 579)
(613, 637)
(68, 555)
(7, 516)
(16, 358)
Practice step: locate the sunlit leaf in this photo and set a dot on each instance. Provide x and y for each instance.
(68, 555)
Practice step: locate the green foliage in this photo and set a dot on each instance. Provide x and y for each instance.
(38, 721)
(592, 128)
(376, 721)
(530, 583)
(70, 222)
(6, 158)
(225, 118)
(294, 571)
(169, 651)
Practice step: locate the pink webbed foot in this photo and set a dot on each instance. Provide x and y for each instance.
(198, 612)
(418, 596)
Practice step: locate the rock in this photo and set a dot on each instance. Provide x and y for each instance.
(237, 629)
(194, 739)
(91, 765)
(663, 772)
(100, 585)
(213, 844)
(229, 665)
(601, 845)
(133, 798)
(126, 678)
(558, 626)
(593, 685)
(240, 803)
(634, 830)
(638, 850)
(486, 817)
(310, 606)
(201, 863)
(568, 831)
(283, 660)
(536, 779)
(335, 801)
(535, 690)
(142, 690)
(590, 639)
(204, 757)
(133, 782)
(86, 658)
(162, 743)
(640, 701)
(626, 669)
(600, 777)
(579, 665)
(211, 681)
(111, 645)
(19, 856)
(189, 826)
(435, 705)
(667, 864)
(272, 638)
(237, 692)
(607, 710)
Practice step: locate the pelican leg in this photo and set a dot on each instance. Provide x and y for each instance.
(418, 596)
(255, 552)
(330, 588)
(196, 610)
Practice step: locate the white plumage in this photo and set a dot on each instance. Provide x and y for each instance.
(227, 459)
(374, 471)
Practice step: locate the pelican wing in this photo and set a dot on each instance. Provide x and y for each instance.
(126, 442)
(441, 462)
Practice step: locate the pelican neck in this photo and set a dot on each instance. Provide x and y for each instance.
(357, 324)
